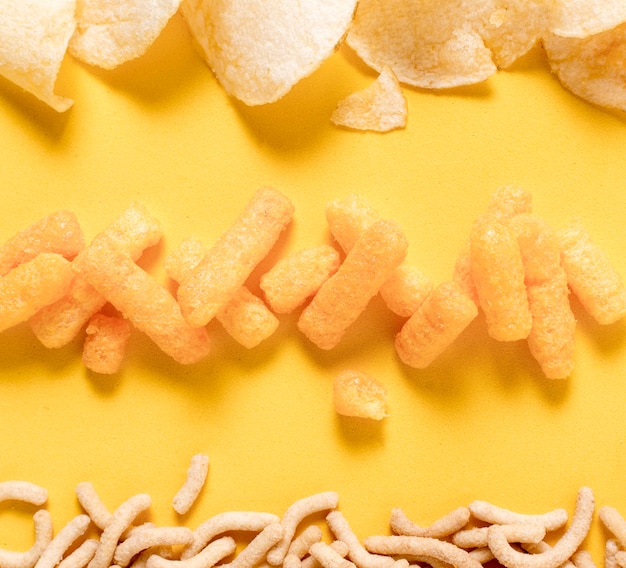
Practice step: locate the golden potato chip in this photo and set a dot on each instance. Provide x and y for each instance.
(111, 32)
(379, 107)
(33, 43)
(259, 50)
(593, 68)
(582, 18)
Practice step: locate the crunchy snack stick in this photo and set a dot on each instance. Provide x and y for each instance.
(298, 276)
(229, 262)
(105, 343)
(328, 557)
(614, 522)
(189, 491)
(342, 298)
(81, 555)
(441, 528)
(92, 504)
(210, 555)
(150, 537)
(294, 514)
(56, 325)
(121, 519)
(591, 275)
(245, 317)
(31, 286)
(226, 522)
(23, 491)
(498, 274)
(360, 395)
(142, 300)
(300, 545)
(423, 547)
(556, 555)
(477, 537)
(407, 286)
(258, 548)
(492, 514)
(65, 538)
(445, 313)
(58, 232)
(43, 537)
(338, 546)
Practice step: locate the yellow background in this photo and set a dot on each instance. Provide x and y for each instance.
(481, 423)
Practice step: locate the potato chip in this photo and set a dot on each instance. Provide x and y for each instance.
(259, 50)
(380, 107)
(111, 32)
(360, 395)
(34, 38)
(582, 18)
(593, 67)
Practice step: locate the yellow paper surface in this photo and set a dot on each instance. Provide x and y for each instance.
(480, 423)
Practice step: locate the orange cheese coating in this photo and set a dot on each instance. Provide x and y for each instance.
(591, 275)
(298, 276)
(445, 313)
(406, 289)
(358, 394)
(58, 232)
(498, 274)
(105, 343)
(342, 298)
(30, 286)
(229, 262)
(142, 300)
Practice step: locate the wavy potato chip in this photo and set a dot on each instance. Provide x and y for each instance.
(111, 32)
(34, 36)
(582, 18)
(380, 107)
(592, 68)
(259, 50)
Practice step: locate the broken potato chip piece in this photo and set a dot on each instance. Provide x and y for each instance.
(33, 43)
(259, 50)
(111, 32)
(582, 18)
(360, 395)
(380, 107)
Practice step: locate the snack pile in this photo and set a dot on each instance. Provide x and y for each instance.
(467, 537)
(259, 51)
(516, 270)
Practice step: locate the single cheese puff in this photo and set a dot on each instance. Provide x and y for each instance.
(343, 297)
(32, 285)
(539, 247)
(56, 325)
(245, 317)
(551, 339)
(360, 395)
(105, 343)
(142, 300)
(498, 274)
(508, 201)
(591, 275)
(462, 274)
(227, 265)
(298, 276)
(445, 313)
(58, 232)
(406, 289)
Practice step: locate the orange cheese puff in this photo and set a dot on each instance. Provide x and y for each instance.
(58, 232)
(406, 290)
(343, 297)
(245, 317)
(229, 262)
(498, 274)
(59, 323)
(142, 300)
(539, 248)
(435, 325)
(105, 343)
(360, 395)
(32, 285)
(551, 338)
(591, 275)
(508, 201)
(462, 274)
(298, 276)
(347, 218)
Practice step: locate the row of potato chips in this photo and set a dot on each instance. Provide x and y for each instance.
(259, 50)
